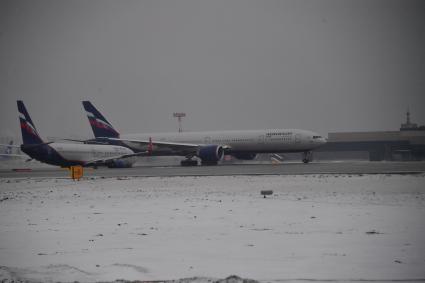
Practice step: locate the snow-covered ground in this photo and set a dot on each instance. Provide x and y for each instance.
(317, 227)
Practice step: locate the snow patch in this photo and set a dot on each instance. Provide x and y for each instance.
(318, 227)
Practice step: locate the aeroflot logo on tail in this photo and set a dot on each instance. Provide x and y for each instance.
(27, 125)
(99, 123)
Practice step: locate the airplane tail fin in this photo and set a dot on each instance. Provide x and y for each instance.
(100, 126)
(29, 132)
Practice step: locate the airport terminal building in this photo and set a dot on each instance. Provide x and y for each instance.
(407, 144)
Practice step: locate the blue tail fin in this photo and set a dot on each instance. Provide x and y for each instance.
(100, 126)
(29, 133)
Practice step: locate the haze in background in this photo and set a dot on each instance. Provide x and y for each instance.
(318, 65)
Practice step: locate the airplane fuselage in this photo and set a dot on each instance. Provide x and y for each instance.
(243, 141)
(66, 154)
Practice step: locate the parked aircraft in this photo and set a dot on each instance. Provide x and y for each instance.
(207, 146)
(67, 154)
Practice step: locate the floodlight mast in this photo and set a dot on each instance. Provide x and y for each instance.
(179, 116)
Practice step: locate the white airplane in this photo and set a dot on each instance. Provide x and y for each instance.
(67, 154)
(207, 146)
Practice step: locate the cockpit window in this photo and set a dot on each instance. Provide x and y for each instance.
(317, 137)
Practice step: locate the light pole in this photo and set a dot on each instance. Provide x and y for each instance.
(179, 116)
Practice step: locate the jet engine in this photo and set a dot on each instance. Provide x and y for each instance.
(210, 154)
(244, 155)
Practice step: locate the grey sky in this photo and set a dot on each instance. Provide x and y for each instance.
(232, 64)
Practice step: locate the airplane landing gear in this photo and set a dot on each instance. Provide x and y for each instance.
(307, 156)
(189, 162)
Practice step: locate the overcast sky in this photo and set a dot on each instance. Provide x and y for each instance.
(233, 64)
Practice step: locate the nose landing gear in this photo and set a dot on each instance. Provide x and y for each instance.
(307, 156)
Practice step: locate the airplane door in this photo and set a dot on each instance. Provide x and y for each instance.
(297, 138)
(207, 140)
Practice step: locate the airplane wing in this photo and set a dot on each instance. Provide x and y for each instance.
(181, 148)
(178, 147)
(159, 143)
(75, 140)
(106, 160)
(91, 141)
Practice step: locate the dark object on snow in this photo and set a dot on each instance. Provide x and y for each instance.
(373, 232)
(235, 279)
(266, 193)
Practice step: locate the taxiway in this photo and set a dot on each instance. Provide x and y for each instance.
(361, 167)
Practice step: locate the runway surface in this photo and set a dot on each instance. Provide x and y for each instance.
(362, 167)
